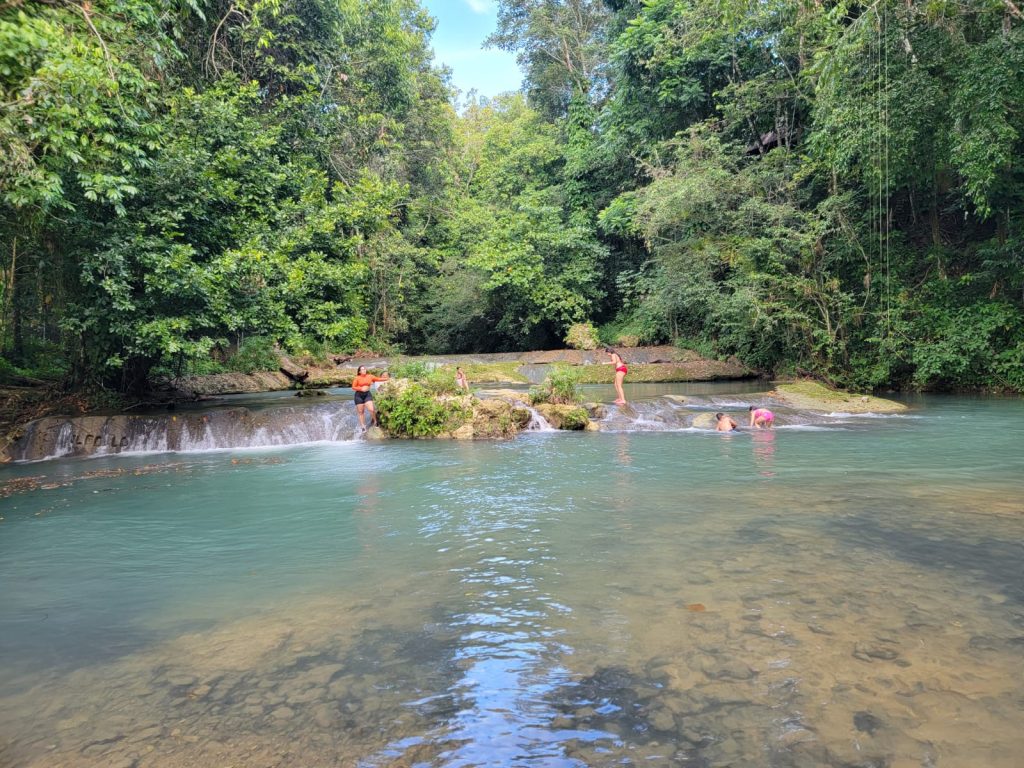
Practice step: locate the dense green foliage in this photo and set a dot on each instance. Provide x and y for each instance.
(414, 410)
(835, 189)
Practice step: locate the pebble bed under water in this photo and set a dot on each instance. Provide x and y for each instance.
(847, 596)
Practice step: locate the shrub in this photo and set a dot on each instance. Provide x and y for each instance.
(204, 366)
(256, 353)
(620, 334)
(560, 387)
(412, 369)
(308, 349)
(441, 381)
(412, 410)
(41, 360)
(582, 336)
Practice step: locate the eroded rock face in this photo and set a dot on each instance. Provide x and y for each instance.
(494, 418)
(233, 383)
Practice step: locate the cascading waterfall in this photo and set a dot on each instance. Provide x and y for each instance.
(266, 426)
(212, 429)
(537, 422)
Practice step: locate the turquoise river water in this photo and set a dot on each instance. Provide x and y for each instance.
(848, 593)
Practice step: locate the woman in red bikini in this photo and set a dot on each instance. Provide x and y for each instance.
(620, 373)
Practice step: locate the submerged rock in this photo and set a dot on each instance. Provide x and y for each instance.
(704, 421)
(375, 433)
(867, 723)
(872, 652)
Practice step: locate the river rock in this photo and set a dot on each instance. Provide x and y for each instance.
(796, 736)
(498, 418)
(293, 371)
(465, 432)
(867, 723)
(325, 716)
(871, 652)
(571, 417)
(729, 670)
(663, 720)
(375, 433)
(703, 421)
(321, 674)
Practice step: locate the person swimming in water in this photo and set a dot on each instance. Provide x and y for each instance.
(761, 418)
(620, 374)
(361, 383)
(724, 423)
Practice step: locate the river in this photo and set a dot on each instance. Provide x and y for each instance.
(846, 591)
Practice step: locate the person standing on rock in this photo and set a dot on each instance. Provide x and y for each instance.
(460, 379)
(361, 383)
(620, 374)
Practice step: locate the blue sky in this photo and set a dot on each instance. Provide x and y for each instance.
(462, 26)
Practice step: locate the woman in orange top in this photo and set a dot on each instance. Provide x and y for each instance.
(364, 398)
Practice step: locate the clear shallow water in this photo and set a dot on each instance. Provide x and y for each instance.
(795, 598)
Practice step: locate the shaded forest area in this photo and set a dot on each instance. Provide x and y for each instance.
(832, 188)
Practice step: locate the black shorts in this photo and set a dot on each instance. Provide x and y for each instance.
(362, 397)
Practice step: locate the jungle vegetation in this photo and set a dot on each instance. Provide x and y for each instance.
(833, 188)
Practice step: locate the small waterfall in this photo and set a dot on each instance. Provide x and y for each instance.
(221, 428)
(537, 422)
(65, 442)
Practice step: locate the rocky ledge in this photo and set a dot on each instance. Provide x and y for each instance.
(812, 396)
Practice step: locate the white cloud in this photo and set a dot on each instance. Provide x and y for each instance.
(480, 6)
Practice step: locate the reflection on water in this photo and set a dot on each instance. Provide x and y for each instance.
(780, 598)
(764, 451)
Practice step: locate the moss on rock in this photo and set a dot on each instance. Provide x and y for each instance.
(810, 395)
(564, 416)
(494, 418)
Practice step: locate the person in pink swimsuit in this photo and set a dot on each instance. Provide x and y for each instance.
(761, 417)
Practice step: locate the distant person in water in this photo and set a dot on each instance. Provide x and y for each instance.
(761, 418)
(620, 374)
(724, 423)
(460, 379)
(364, 397)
